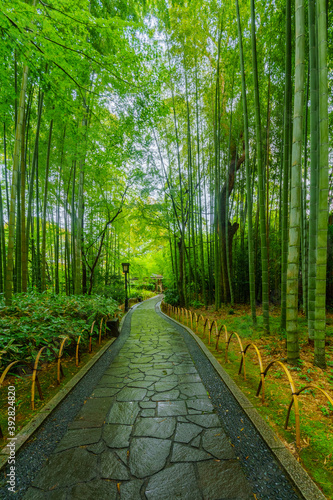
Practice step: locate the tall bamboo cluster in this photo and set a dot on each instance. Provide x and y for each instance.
(58, 219)
(260, 213)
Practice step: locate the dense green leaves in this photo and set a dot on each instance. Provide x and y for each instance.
(35, 320)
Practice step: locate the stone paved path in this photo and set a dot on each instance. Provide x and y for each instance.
(148, 431)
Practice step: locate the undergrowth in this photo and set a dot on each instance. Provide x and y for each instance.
(35, 320)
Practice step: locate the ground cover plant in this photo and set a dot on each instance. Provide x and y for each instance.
(37, 319)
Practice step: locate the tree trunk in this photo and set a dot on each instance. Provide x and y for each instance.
(33, 168)
(314, 160)
(11, 224)
(295, 198)
(248, 175)
(286, 166)
(228, 187)
(217, 138)
(304, 236)
(262, 214)
(44, 221)
(321, 254)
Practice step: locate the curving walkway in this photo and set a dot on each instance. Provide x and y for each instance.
(148, 430)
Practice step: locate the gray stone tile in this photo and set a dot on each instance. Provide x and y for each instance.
(227, 477)
(148, 455)
(140, 383)
(123, 362)
(57, 494)
(184, 369)
(148, 412)
(123, 455)
(92, 413)
(132, 350)
(185, 453)
(117, 435)
(215, 441)
(130, 490)
(102, 392)
(196, 442)
(182, 419)
(155, 427)
(189, 378)
(142, 360)
(160, 373)
(79, 437)
(170, 378)
(106, 381)
(171, 408)
(117, 371)
(165, 386)
(166, 396)
(186, 432)
(99, 489)
(203, 404)
(147, 404)
(97, 448)
(124, 412)
(66, 469)
(134, 376)
(154, 352)
(142, 368)
(208, 420)
(175, 482)
(196, 389)
(164, 366)
(112, 467)
(131, 394)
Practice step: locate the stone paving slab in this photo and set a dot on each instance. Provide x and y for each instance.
(148, 430)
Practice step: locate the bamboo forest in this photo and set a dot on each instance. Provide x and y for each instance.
(191, 140)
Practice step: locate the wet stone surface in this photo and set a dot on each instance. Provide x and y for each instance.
(148, 430)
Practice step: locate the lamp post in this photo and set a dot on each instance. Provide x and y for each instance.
(125, 271)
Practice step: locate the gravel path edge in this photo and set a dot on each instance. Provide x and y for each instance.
(298, 476)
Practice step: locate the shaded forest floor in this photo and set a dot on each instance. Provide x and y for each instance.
(316, 414)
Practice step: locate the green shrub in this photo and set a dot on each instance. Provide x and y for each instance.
(38, 319)
(171, 296)
(196, 304)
